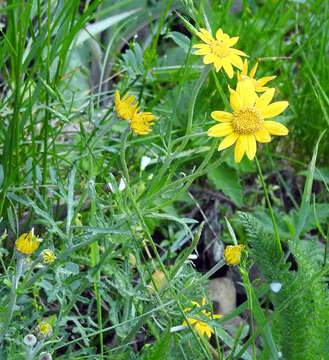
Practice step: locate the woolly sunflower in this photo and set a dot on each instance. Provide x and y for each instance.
(140, 122)
(232, 254)
(247, 122)
(219, 51)
(200, 326)
(27, 243)
(124, 107)
(258, 84)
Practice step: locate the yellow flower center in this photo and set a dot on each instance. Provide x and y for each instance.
(247, 120)
(219, 48)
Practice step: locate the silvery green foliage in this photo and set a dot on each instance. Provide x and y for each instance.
(301, 306)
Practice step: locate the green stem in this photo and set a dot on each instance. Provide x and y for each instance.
(94, 249)
(220, 90)
(35, 350)
(13, 295)
(245, 277)
(269, 204)
(195, 93)
(123, 147)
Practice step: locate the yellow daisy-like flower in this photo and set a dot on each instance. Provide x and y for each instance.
(232, 254)
(140, 122)
(27, 243)
(247, 122)
(258, 84)
(219, 51)
(47, 256)
(124, 107)
(200, 326)
(44, 330)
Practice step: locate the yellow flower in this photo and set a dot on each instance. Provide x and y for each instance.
(232, 254)
(140, 122)
(48, 256)
(200, 326)
(124, 107)
(44, 329)
(246, 124)
(219, 51)
(27, 243)
(258, 84)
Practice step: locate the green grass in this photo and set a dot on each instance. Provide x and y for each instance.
(64, 155)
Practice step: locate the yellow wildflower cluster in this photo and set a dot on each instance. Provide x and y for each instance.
(200, 326)
(247, 123)
(140, 122)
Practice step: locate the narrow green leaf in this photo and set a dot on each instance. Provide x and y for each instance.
(96, 28)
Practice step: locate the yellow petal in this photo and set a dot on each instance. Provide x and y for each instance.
(274, 109)
(202, 52)
(219, 34)
(228, 68)
(226, 38)
(222, 116)
(205, 36)
(232, 41)
(217, 316)
(209, 58)
(247, 92)
(261, 88)
(251, 147)
(201, 46)
(218, 64)
(263, 136)
(265, 99)
(117, 97)
(220, 130)
(253, 70)
(228, 141)
(264, 80)
(235, 100)
(238, 52)
(240, 147)
(208, 332)
(275, 128)
(236, 61)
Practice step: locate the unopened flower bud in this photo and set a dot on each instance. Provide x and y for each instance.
(44, 330)
(30, 340)
(45, 356)
(232, 254)
(47, 256)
